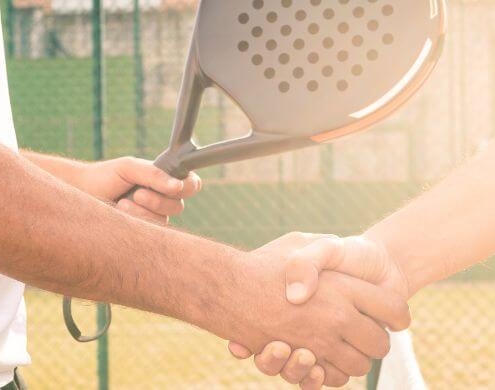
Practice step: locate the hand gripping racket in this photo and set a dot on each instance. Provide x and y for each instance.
(304, 72)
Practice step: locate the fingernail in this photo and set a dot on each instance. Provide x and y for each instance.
(197, 183)
(124, 205)
(296, 292)
(278, 353)
(305, 360)
(314, 374)
(177, 184)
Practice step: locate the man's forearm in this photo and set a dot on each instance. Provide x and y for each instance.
(57, 238)
(68, 170)
(447, 229)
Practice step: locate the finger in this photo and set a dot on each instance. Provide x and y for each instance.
(299, 365)
(314, 380)
(334, 377)
(192, 185)
(382, 305)
(354, 256)
(158, 203)
(239, 351)
(138, 211)
(349, 360)
(305, 265)
(370, 338)
(273, 358)
(139, 172)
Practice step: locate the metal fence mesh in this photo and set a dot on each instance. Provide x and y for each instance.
(340, 188)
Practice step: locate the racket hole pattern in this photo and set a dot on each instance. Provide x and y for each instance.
(343, 28)
(284, 87)
(327, 71)
(314, 28)
(298, 72)
(388, 39)
(258, 4)
(343, 55)
(373, 25)
(357, 70)
(358, 12)
(328, 43)
(312, 85)
(372, 55)
(299, 44)
(243, 18)
(301, 15)
(286, 30)
(243, 46)
(271, 44)
(257, 59)
(329, 13)
(342, 85)
(270, 73)
(388, 10)
(313, 57)
(284, 58)
(357, 40)
(272, 17)
(257, 32)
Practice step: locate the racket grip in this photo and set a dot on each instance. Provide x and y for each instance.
(130, 194)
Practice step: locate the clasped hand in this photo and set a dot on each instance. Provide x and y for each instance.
(363, 304)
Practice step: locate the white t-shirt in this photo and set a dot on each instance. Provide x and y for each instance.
(13, 350)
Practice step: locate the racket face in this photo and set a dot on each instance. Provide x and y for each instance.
(318, 68)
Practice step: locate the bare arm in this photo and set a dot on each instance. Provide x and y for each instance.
(68, 170)
(55, 237)
(447, 229)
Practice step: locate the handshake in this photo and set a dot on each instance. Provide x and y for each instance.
(341, 296)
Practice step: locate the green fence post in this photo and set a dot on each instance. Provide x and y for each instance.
(141, 141)
(10, 28)
(98, 147)
(374, 375)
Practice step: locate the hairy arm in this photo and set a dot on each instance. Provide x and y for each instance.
(68, 170)
(57, 238)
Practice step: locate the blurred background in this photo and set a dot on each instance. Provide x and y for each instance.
(95, 79)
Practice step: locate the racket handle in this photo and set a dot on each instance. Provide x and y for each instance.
(130, 194)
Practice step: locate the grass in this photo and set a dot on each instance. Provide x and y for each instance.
(453, 331)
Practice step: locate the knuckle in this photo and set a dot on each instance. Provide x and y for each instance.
(127, 160)
(402, 313)
(340, 318)
(295, 235)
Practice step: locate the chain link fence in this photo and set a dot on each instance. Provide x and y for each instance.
(340, 188)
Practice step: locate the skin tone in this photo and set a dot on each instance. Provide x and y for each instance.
(108, 180)
(103, 254)
(445, 231)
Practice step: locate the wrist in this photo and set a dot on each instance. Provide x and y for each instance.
(394, 265)
(206, 290)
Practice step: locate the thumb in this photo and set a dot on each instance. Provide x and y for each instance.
(239, 351)
(305, 264)
(353, 256)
